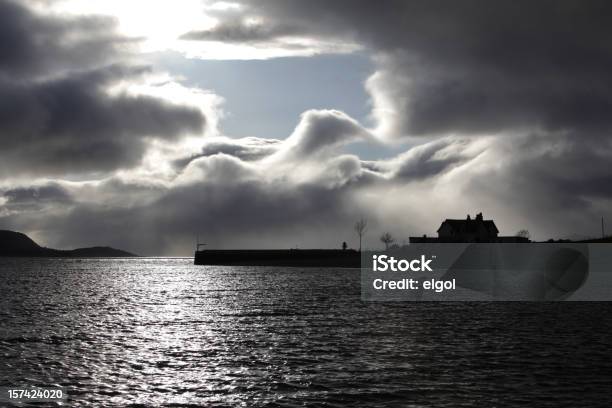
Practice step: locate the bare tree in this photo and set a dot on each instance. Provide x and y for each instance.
(387, 239)
(523, 234)
(360, 228)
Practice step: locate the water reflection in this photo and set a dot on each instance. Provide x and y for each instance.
(162, 331)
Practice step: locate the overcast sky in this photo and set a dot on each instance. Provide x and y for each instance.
(279, 123)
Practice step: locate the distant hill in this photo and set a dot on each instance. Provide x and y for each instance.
(17, 244)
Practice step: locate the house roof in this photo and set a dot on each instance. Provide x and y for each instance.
(470, 225)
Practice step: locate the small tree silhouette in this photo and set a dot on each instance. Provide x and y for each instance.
(360, 228)
(344, 246)
(387, 239)
(523, 234)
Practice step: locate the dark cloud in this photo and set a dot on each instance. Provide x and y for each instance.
(521, 183)
(246, 149)
(229, 201)
(535, 74)
(544, 176)
(72, 125)
(35, 198)
(556, 188)
(519, 90)
(249, 214)
(33, 44)
(56, 114)
(430, 159)
(473, 66)
(238, 31)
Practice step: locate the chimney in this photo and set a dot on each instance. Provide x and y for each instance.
(479, 216)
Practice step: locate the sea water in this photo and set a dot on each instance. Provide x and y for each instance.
(156, 332)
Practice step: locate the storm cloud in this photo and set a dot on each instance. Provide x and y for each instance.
(238, 31)
(469, 67)
(33, 44)
(57, 115)
(495, 107)
(246, 149)
(260, 203)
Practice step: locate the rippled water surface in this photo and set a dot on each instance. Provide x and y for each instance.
(162, 332)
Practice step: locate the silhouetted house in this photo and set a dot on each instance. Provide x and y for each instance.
(468, 230)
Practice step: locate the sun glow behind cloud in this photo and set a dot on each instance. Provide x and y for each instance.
(158, 23)
(161, 23)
